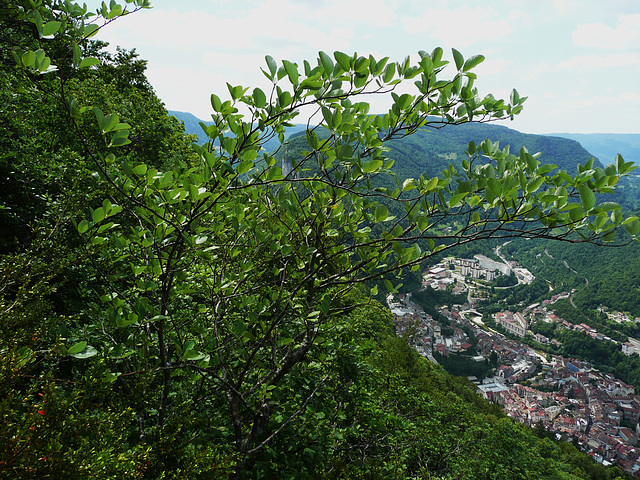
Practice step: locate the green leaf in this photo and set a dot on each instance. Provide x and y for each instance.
(83, 226)
(389, 72)
(372, 166)
(326, 62)
(110, 121)
(244, 167)
(632, 225)
(616, 216)
(382, 213)
(88, 352)
(28, 59)
(408, 185)
(459, 59)
(98, 215)
(140, 169)
(216, 103)
(389, 286)
(472, 62)
(515, 97)
(193, 192)
(120, 138)
(88, 62)
(609, 206)
(259, 98)
(343, 60)
(292, 71)
(422, 223)
(576, 214)
(456, 199)
(50, 28)
(77, 348)
(327, 114)
(250, 155)
(587, 197)
(193, 355)
(271, 63)
(90, 30)
(37, 18)
(111, 377)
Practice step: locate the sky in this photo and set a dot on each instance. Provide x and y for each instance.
(577, 61)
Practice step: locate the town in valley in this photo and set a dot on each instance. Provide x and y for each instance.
(567, 397)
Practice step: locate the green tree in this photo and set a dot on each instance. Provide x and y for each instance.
(225, 277)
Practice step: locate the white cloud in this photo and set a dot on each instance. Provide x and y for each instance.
(538, 70)
(492, 66)
(599, 62)
(625, 34)
(612, 102)
(369, 14)
(195, 47)
(178, 91)
(269, 25)
(520, 16)
(461, 27)
(565, 6)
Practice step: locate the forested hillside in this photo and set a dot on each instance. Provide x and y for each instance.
(169, 310)
(430, 151)
(607, 277)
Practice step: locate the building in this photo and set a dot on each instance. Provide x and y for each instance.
(491, 265)
(514, 323)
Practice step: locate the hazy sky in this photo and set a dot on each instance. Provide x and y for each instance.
(578, 61)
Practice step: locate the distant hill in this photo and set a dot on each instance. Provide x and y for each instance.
(191, 124)
(429, 151)
(605, 146)
(192, 127)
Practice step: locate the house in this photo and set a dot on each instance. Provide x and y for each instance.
(628, 435)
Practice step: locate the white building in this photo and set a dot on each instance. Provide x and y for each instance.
(514, 323)
(488, 264)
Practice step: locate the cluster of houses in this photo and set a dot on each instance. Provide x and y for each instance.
(518, 324)
(567, 396)
(423, 332)
(578, 402)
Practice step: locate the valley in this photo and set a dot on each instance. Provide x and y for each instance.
(527, 373)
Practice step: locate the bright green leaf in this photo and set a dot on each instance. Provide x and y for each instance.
(587, 197)
(50, 28)
(458, 58)
(77, 348)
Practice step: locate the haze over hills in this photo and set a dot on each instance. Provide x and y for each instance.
(605, 146)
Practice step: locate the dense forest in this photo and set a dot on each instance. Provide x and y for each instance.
(606, 276)
(169, 310)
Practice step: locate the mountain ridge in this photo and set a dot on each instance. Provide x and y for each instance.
(432, 149)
